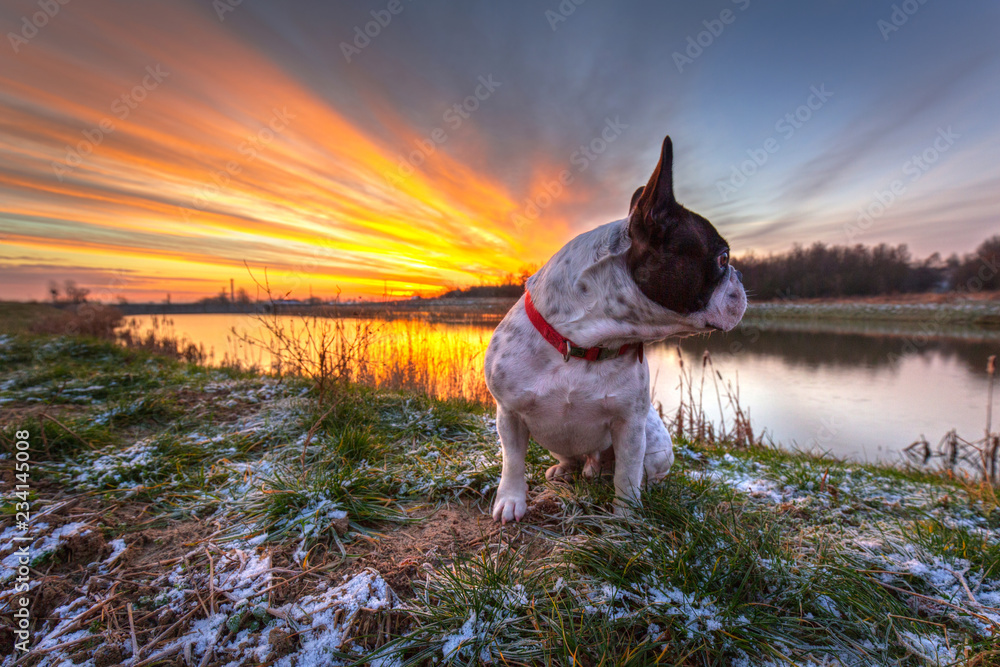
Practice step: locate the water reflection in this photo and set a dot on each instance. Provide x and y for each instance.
(862, 396)
(855, 394)
(812, 349)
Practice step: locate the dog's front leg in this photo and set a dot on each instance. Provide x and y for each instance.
(512, 495)
(629, 441)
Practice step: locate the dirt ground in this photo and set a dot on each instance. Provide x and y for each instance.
(157, 545)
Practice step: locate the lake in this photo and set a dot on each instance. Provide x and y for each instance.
(862, 394)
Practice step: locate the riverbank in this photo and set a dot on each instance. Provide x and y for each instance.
(221, 517)
(472, 310)
(945, 311)
(976, 313)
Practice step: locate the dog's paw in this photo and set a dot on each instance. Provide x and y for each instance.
(559, 472)
(510, 506)
(627, 509)
(658, 465)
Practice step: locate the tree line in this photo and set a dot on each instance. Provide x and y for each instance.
(830, 271)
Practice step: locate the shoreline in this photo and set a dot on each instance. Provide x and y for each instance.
(931, 317)
(967, 321)
(982, 310)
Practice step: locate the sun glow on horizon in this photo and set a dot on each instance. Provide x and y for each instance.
(171, 178)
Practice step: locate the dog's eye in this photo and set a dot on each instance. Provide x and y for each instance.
(723, 260)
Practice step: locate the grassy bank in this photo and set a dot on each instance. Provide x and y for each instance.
(192, 516)
(978, 313)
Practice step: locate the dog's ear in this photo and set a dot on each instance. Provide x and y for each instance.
(658, 195)
(635, 198)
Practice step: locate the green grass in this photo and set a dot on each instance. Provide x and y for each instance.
(54, 440)
(957, 543)
(750, 557)
(17, 317)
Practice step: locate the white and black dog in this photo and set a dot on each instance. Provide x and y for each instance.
(566, 364)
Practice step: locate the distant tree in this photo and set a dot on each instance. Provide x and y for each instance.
(242, 296)
(526, 271)
(75, 295)
(54, 291)
(836, 271)
(981, 269)
(510, 285)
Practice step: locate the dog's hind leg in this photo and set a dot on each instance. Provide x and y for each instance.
(600, 462)
(565, 468)
(592, 465)
(659, 448)
(511, 502)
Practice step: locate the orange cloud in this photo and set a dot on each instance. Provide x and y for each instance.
(195, 161)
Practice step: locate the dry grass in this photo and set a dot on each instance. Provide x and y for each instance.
(19, 317)
(410, 356)
(159, 338)
(394, 354)
(692, 422)
(86, 319)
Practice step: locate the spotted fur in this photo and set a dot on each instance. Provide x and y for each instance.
(590, 293)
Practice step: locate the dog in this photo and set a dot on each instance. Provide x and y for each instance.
(566, 365)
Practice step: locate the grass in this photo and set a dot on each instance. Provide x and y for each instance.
(295, 512)
(983, 313)
(18, 317)
(698, 575)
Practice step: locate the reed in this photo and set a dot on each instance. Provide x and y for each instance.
(395, 354)
(413, 357)
(159, 338)
(961, 457)
(692, 423)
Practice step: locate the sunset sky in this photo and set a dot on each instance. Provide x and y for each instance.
(157, 147)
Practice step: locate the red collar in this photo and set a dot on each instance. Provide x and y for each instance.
(566, 347)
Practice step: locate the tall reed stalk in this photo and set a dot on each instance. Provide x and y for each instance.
(691, 421)
(980, 457)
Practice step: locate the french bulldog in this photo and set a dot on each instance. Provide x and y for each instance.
(566, 364)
